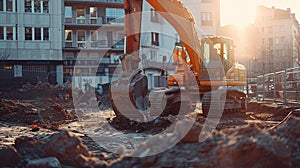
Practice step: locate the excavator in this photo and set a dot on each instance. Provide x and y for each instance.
(204, 67)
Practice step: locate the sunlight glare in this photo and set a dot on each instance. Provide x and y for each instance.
(238, 12)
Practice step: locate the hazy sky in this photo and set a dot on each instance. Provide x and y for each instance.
(241, 12)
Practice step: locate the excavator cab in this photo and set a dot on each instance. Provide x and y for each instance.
(218, 57)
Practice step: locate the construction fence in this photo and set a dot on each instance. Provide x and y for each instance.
(282, 86)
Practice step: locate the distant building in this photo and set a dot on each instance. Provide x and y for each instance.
(30, 41)
(278, 39)
(81, 40)
(206, 14)
(93, 40)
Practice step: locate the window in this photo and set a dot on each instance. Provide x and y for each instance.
(152, 55)
(206, 18)
(154, 16)
(40, 34)
(271, 42)
(93, 13)
(68, 38)
(28, 33)
(80, 15)
(68, 14)
(270, 29)
(68, 11)
(9, 5)
(7, 67)
(112, 14)
(94, 38)
(94, 35)
(1, 5)
(155, 39)
(9, 33)
(81, 38)
(1, 33)
(282, 39)
(45, 34)
(206, 53)
(28, 6)
(37, 6)
(45, 6)
(37, 34)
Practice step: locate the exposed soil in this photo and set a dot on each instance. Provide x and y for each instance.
(40, 128)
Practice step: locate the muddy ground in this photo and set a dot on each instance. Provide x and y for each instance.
(39, 127)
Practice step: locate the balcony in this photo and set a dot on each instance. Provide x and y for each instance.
(93, 22)
(109, 3)
(95, 45)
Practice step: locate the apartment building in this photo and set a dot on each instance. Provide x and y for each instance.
(81, 40)
(278, 39)
(30, 41)
(93, 40)
(206, 14)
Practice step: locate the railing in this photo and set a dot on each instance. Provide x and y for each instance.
(99, 44)
(282, 86)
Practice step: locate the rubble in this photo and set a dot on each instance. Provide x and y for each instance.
(246, 146)
(66, 147)
(266, 135)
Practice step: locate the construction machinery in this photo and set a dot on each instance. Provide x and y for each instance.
(203, 67)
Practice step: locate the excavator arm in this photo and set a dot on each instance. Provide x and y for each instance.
(176, 14)
(184, 23)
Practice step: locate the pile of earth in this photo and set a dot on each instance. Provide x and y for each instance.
(40, 90)
(246, 146)
(62, 149)
(267, 111)
(27, 113)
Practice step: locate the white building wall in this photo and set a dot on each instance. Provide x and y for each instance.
(197, 8)
(167, 36)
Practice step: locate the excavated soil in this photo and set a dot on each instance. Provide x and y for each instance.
(266, 135)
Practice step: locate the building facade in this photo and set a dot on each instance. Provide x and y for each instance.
(30, 41)
(81, 40)
(278, 39)
(206, 14)
(93, 40)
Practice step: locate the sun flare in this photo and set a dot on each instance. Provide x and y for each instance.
(238, 12)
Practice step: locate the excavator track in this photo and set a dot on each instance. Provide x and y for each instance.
(225, 101)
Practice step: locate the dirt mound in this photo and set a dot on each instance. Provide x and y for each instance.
(40, 90)
(17, 112)
(247, 146)
(266, 111)
(27, 113)
(63, 147)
